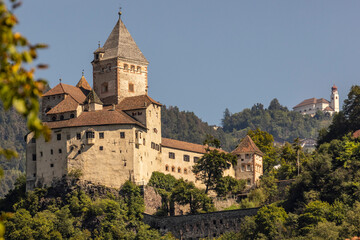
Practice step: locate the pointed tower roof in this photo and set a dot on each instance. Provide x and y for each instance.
(93, 98)
(247, 145)
(121, 44)
(84, 85)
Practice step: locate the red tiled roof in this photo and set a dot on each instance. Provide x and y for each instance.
(311, 101)
(67, 105)
(137, 102)
(356, 134)
(62, 88)
(328, 109)
(322, 100)
(247, 145)
(96, 118)
(83, 84)
(181, 145)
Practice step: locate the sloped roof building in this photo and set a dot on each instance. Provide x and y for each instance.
(312, 105)
(112, 132)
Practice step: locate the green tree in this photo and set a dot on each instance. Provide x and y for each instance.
(163, 185)
(133, 199)
(270, 221)
(265, 142)
(210, 167)
(229, 186)
(186, 193)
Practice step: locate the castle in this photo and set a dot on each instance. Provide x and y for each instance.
(312, 105)
(111, 133)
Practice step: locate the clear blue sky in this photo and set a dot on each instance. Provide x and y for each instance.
(208, 55)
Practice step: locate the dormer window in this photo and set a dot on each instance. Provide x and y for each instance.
(90, 134)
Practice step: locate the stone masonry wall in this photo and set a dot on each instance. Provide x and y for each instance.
(200, 225)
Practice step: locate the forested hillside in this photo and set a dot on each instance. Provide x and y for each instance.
(12, 132)
(277, 120)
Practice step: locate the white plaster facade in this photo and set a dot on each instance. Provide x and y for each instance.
(312, 105)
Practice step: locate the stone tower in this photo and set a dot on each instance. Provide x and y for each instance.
(119, 67)
(334, 103)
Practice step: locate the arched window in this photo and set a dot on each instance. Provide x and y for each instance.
(132, 68)
(139, 69)
(126, 67)
(179, 170)
(167, 168)
(185, 171)
(173, 169)
(72, 115)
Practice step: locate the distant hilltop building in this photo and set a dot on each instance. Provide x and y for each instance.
(312, 105)
(111, 133)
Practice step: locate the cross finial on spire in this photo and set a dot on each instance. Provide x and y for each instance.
(82, 72)
(120, 12)
(60, 80)
(99, 44)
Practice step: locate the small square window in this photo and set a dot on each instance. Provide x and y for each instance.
(60, 151)
(101, 135)
(79, 152)
(58, 136)
(52, 165)
(41, 154)
(171, 155)
(34, 157)
(248, 167)
(131, 87)
(196, 159)
(186, 158)
(122, 134)
(78, 136)
(101, 148)
(152, 145)
(34, 175)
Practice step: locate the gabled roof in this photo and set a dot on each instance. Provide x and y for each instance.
(136, 102)
(95, 118)
(69, 104)
(311, 101)
(121, 44)
(181, 145)
(62, 88)
(247, 145)
(328, 109)
(92, 98)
